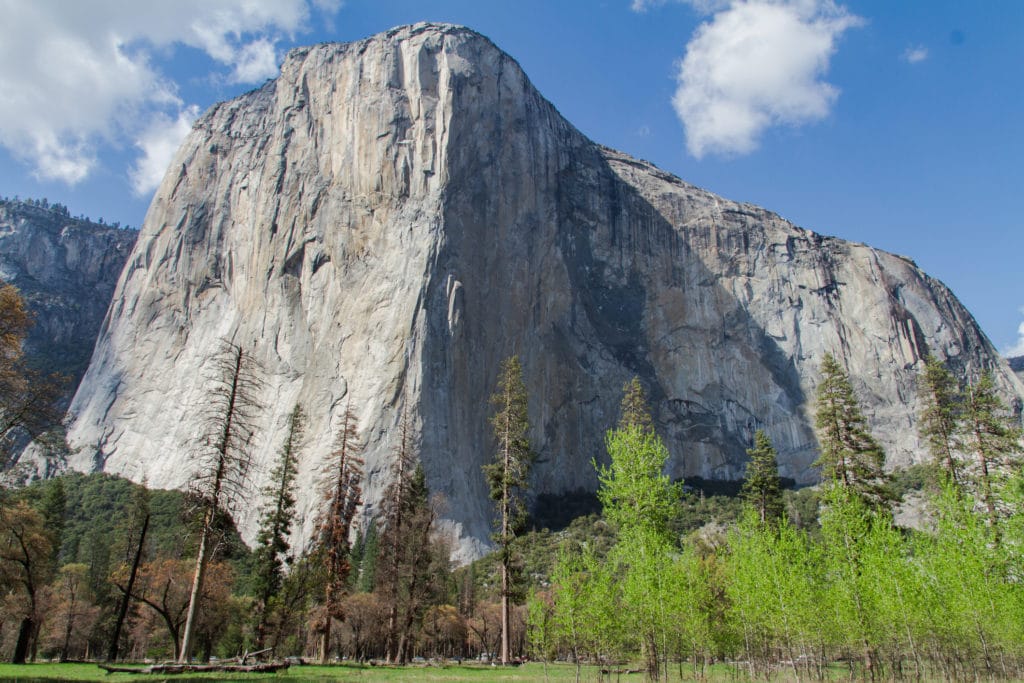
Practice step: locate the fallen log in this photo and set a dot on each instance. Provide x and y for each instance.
(266, 667)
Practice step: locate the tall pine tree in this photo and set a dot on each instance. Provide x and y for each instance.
(508, 477)
(276, 524)
(342, 496)
(635, 411)
(850, 456)
(762, 488)
(940, 419)
(993, 436)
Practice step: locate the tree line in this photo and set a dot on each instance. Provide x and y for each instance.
(795, 580)
(856, 589)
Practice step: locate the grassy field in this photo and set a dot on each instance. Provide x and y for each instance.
(316, 674)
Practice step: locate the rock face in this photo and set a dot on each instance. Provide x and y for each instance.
(1017, 365)
(389, 219)
(66, 269)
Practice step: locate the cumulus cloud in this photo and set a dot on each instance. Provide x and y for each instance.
(1018, 348)
(915, 54)
(158, 144)
(75, 75)
(754, 65)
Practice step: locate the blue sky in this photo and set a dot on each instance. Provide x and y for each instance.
(898, 124)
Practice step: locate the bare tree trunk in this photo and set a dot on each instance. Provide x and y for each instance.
(123, 610)
(202, 560)
(24, 635)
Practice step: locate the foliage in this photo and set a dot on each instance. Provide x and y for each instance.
(994, 437)
(762, 488)
(342, 495)
(275, 525)
(634, 411)
(849, 454)
(28, 398)
(941, 415)
(508, 477)
(635, 495)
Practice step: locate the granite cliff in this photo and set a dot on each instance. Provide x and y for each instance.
(386, 221)
(66, 269)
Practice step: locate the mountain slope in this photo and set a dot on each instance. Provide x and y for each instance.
(389, 219)
(66, 269)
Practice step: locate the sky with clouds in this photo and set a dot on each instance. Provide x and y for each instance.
(899, 124)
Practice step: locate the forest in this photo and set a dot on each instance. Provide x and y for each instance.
(666, 576)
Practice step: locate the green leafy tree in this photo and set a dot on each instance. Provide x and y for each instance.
(762, 488)
(634, 493)
(850, 456)
(508, 477)
(641, 502)
(275, 526)
(941, 414)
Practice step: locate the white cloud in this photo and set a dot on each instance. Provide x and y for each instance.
(754, 65)
(1018, 348)
(915, 54)
(256, 61)
(158, 143)
(76, 75)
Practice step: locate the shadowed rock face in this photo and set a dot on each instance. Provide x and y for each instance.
(66, 270)
(389, 219)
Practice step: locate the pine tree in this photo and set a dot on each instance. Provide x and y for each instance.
(225, 457)
(940, 419)
(508, 477)
(635, 411)
(762, 488)
(992, 435)
(850, 456)
(342, 496)
(404, 546)
(276, 523)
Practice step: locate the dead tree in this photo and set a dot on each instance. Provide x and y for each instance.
(342, 492)
(224, 459)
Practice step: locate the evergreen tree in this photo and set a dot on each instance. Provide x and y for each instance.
(53, 508)
(508, 477)
(850, 456)
(275, 526)
(762, 488)
(342, 496)
(940, 417)
(635, 411)
(993, 436)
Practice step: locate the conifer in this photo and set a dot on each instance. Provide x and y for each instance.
(940, 419)
(762, 488)
(508, 477)
(850, 456)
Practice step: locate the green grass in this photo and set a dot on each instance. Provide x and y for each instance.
(314, 674)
